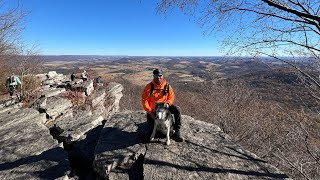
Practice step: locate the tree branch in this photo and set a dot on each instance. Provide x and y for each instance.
(293, 11)
(268, 14)
(293, 42)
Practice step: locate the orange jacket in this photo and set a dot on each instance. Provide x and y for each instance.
(148, 102)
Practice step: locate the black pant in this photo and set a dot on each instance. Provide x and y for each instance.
(12, 90)
(175, 110)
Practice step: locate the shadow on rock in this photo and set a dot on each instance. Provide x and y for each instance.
(53, 163)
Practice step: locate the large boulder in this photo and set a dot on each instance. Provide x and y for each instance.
(52, 78)
(53, 92)
(85, 86)
(55, 106)
(74, 128)
(41, 77)
(51, 74)
(113, 96)
(119, 142)
(98, 97)
(27, 149)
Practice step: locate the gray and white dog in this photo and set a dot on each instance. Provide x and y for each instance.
(164, 121)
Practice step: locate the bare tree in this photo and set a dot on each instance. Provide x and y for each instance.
(11, 25)
(274, 28)
(15, 55)
(26, 63)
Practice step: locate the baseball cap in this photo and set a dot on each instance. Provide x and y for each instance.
(157, 72)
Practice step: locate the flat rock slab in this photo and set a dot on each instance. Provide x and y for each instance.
(113, 89)
(11, 109)
(113, 96)
(207, 153)
(119, 142)
(27, 149)
(53, 92)
(98, 97)
(55, 106)
(9, 102)
(74, 128)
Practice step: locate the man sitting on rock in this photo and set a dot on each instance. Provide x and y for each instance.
(159, 91)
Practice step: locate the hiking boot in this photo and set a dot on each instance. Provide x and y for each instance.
(177, 137)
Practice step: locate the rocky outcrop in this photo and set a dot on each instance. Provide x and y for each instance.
(99, 97)
(53, 92)
(119, 142)
(72, 125)
(14, 100)
(27, 149)
(74, 128)
(55, 106)
(207, 153)
(97, 135)
(52, 78)
(85, 86)
(114, 94)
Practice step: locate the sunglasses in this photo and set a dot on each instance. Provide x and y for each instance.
(157, 76)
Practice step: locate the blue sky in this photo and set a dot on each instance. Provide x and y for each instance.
(113, 27)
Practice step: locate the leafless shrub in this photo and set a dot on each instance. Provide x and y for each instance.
(131, 99)
(31, 90)
(77, 98)
(31, 82)
(30, 97)
(4, 73)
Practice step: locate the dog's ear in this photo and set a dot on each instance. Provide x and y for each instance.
(166, 105)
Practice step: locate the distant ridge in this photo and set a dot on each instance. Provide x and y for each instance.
(78, 57)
